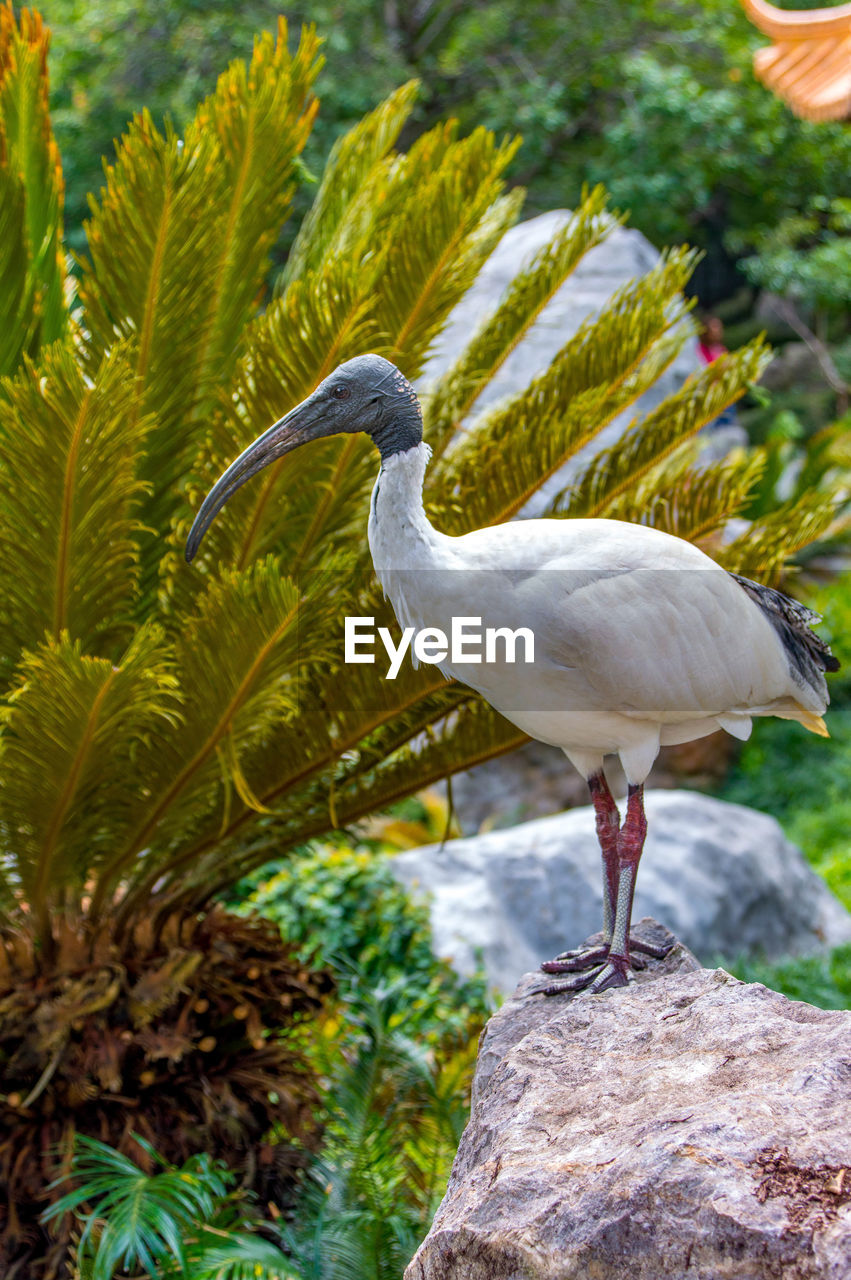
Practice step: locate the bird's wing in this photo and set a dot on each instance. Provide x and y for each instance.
(793, 622)
(657, 629)
(667, 644)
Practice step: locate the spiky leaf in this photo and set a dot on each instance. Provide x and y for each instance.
(31, 180)
(69, 497)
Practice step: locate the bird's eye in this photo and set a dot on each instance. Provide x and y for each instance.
(341, 393)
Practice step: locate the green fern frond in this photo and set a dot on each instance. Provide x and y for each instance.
(68, 501)
(690, 502)
(498, 464)
(71, 731)
(453, 395)
(261, 116)
(351, 162)
(771, 542)
(19, 332)
(28, 153)
(652, 438)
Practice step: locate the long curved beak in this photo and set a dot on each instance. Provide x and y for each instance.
(301, 424)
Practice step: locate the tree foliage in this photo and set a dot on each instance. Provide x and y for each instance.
(656, 100)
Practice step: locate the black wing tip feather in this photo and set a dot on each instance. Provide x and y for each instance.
(794, 622)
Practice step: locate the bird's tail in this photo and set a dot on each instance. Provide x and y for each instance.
(815, 724)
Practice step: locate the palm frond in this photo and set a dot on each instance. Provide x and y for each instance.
(454, 394)
(71, 732)
(261, 115)
(68, 502)
(28, 153)
(469, 735)
(150, 237)
(19, 332)
(352, 160)
(439, 219)
(509, 452)
(771, 542)
(179, 245)
(650, 439)
(240, 660)
(237, 1255)
(688, 501)
(137, 1219)
(425, 224)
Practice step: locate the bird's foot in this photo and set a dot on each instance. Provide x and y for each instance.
(595, 969)
(615, 972)
(651, 949)
(582, 958)
(578, 960)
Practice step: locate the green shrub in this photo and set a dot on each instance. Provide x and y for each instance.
(341, 906)
(822, 980)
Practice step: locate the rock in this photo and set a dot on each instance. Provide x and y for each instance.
(521, 1014)
(690, 1126)
(625, 255)
(723, 877)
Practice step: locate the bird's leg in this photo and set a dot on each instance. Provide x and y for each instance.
(617, 971)
(610, 964)
(608, 822)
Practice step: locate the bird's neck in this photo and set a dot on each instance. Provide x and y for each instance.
(400, 533)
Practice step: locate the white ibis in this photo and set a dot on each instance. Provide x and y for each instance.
(640, 639)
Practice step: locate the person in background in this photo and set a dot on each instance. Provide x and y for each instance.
(711, 345)
(711, 341)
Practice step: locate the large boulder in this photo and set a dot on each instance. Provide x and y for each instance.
(723, 877)
(689, 1126)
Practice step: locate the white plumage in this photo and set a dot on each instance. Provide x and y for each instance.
(641, 639)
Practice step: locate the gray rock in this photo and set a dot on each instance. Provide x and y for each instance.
(625, 255)
(723, 877)
(521, 1014)
(690, 1127)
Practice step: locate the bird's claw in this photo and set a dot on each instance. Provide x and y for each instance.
(582, 958)
(616, 972)
(578, 960)
(652, 949)
(577, 983)
(596, 970)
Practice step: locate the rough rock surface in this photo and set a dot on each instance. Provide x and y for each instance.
(689, 1127)
(723, 877)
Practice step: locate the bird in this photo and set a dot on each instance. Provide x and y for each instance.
(640, 639)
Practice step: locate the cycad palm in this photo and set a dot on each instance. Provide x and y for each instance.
(166, 730)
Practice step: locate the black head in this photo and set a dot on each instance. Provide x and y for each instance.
(366, 394)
